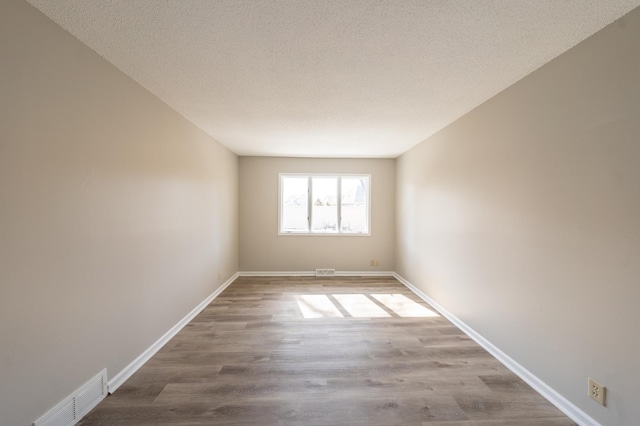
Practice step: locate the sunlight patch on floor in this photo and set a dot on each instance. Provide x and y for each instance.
(360, 306)
(317, 306)
(403, 306)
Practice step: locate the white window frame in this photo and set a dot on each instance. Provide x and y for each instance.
(309, 232)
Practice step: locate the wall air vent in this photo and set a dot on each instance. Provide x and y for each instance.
(325, 272)
(69, 411)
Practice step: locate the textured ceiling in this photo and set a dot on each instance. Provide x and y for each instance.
(346, 78)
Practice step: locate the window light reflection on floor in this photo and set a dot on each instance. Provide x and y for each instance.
(317, 306)
(403, 306)
(360, 306)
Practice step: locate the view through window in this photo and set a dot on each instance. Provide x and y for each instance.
(324, 204)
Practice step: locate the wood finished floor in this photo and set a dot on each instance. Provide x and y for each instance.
(252, 358)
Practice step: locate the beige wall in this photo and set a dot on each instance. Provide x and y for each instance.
(116, 215)
(261, 249)
(523, 219)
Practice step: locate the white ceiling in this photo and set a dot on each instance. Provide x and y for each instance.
(329, 78)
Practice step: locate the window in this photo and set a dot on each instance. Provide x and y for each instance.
(324, 204)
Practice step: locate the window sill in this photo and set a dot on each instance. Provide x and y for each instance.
(322, 234)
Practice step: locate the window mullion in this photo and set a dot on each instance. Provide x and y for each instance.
(309, 204)
(339, 203)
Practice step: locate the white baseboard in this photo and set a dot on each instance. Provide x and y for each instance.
(562, 403)
(277, 273)
(313, 274)
(364, 273)
(128, 371)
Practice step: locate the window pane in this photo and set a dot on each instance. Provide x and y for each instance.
(294, 204)
(324, 195)
(355, 204)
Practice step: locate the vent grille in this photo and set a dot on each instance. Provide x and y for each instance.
(90, 396)
(325, 272)
(78, 404)
(64, 416)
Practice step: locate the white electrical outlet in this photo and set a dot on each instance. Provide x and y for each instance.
(597, 391)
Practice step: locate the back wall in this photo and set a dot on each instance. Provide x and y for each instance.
(262, 249)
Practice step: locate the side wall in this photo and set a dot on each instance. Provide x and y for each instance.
(116, 215)
(523, 220)
(261, 249)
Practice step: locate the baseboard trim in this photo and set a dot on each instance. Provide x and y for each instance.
(364, 273)
(562, 403)
(313, 274)
(277, 273)
(128, 371)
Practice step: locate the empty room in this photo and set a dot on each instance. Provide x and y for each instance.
(319, 212)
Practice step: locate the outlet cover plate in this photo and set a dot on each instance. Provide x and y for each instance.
(597, 392)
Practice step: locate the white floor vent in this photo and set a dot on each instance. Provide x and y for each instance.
(78, 404)
(325, 272)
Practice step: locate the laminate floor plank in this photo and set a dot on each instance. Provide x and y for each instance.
(354, 351)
